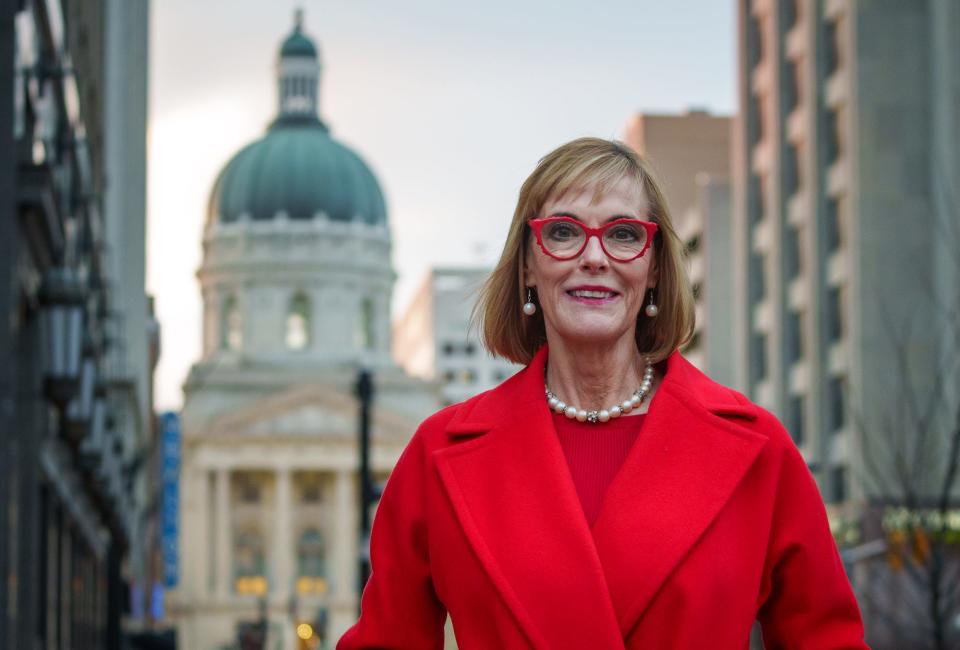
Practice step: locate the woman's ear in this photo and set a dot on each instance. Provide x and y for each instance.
(528, 279)
(653, 273)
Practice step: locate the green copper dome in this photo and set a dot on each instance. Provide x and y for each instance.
(300, 170)
(297, 168)
(298, 45)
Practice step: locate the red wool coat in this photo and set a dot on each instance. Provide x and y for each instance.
(713, 522)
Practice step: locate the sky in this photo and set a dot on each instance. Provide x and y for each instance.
(451, 105)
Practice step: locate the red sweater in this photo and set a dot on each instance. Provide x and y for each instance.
(594, 454)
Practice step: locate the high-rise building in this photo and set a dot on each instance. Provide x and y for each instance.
(845, 216)
(78, 340)
(296, 282)
(690, 154)
(433, 338)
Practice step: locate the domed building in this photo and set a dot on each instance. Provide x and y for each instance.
(296, 283)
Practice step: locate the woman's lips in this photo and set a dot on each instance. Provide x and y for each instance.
(593, 296)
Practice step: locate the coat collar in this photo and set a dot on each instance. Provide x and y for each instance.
(569, 585)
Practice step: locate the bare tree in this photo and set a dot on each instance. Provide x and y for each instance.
(911, 463)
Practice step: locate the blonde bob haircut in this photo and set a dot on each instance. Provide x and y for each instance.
(598, 164)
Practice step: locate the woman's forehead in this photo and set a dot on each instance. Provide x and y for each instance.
(625, 192)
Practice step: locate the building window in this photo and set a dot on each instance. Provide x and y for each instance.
(831, 136)
(791, 171)
(831, 226)
(795, 418)
(834, 314)
(754, 40)
(311, 493)
(831, 44)
(449, 375)
(788, 13)
(791, 88)
(793, 252)
(838, 483)
(794, 336)
(467, 376)
(249, 491)
(758, 357)
(755, 198)
(469, 349)
(837, 402)
(249, 563)
(365, 334)
(448, 349)
(298, 322)
(757, 278)
(311, 562)
(231, 325)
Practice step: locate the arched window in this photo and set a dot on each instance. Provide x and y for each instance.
(298, 322)
(311, 562)
(231, 324)
(249, 563)
(365, 335)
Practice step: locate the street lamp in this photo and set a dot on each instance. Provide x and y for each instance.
(80, 408)
(61, 325)
(364, 392)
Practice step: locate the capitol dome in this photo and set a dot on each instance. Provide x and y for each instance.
(297, 169)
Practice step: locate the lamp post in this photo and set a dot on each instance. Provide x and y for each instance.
(364, 392)
(61, 325)
(80, 408)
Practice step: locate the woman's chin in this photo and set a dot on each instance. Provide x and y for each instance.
(590, 332)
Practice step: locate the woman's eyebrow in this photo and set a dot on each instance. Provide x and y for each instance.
(608, 219)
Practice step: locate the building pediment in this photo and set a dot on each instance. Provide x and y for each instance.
(308, 410)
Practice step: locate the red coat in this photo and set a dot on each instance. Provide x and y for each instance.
(713, 522)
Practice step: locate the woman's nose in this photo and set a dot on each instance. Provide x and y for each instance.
(593, 256)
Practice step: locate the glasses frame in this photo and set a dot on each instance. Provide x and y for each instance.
(536, 225)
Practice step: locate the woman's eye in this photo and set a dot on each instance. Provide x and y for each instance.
(624, 234)
(562, 231)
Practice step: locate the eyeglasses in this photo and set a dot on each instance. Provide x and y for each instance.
(564, 238)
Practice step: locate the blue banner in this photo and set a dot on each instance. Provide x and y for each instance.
(170, 506)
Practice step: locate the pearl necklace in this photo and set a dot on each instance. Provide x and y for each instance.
(603, 415)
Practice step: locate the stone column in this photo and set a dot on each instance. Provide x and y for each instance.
(282, 546)
(195, 544)
(342, 562)
(224, 534)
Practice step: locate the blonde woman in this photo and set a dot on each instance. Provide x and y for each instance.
(609, 495)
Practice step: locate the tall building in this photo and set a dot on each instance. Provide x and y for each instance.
(296, 283)
(690, 154)
(845, 152)
(433, 338)
(78, 340)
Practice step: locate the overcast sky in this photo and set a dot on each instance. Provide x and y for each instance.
(451, 104)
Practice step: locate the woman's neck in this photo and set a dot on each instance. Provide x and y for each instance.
(595, 377)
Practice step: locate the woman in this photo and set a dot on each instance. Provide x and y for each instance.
(609, 495)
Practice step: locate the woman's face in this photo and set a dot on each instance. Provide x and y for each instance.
(592, 298)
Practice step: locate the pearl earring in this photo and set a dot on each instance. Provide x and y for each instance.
(528, 307)
(651, 309)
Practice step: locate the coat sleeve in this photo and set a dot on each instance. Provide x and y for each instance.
(806, 601)
(399, 608)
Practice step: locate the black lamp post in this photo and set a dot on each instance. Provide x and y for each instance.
(80, 408)
(61, 326)
(364, 392)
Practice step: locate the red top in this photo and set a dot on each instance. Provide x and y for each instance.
(594, 454)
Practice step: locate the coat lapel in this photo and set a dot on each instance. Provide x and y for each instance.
(515, 500)
(511, 490)
(683, 468)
